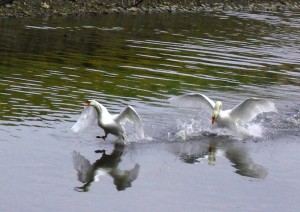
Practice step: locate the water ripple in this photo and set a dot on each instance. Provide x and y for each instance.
(46, 77)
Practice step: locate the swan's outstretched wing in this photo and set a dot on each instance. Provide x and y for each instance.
(194, 100)
(82, 166)
(87, 118)
(250, 108)
(129, 114)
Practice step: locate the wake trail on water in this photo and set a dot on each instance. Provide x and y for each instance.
(195, 129)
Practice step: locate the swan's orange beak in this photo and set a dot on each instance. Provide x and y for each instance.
(86, 104)
(213, 119)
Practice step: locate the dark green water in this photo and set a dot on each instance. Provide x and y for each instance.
(49, 67)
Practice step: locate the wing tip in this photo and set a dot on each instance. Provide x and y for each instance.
(272, 106)
(274, 109)
(139, 130)
(192, 100)
(75, 128)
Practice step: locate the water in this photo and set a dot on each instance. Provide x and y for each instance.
(49, 67)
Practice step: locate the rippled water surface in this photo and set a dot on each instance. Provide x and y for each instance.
(49, 67)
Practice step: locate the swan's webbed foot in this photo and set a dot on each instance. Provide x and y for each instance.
(103, 137)
(100, 151)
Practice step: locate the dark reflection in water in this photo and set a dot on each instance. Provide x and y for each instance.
(88, 173)
(198, 152)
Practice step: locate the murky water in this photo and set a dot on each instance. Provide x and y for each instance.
(49, 67)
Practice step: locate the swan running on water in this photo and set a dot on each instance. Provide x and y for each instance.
(96, 113)
(242, 113)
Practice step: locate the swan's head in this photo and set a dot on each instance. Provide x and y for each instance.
(91, 103)
(216, 111)
(100, 108)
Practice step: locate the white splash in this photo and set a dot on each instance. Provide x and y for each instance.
(194, 128)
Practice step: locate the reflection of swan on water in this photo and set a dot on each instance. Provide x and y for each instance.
(96, 113)
(106, 165)
(244, 164)
(241, 114)
(198, 152)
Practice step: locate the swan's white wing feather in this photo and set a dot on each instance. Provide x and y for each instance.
(82, 166)
(129, 114)
(250, 108)
(88, 117)
(194, 100)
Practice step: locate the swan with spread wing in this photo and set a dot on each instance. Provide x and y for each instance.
(96, 113)
(242, 113)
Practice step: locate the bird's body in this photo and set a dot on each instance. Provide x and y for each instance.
(111, 124)
(108, 122)
(242, 113)
(224, 119)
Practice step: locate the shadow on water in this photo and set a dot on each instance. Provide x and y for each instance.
(195, 152)
(88, 173)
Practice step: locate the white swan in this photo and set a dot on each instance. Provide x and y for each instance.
(242, 113)
(96, 113)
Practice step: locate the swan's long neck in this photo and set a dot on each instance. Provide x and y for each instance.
(216, 112)
(217, 108)
(101, 110)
